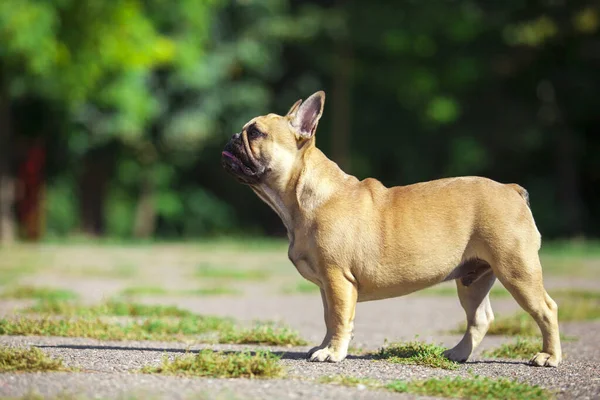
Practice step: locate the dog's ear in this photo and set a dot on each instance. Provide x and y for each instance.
(294, 108)
(306, 117)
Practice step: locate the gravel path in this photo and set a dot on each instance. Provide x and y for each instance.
(109, 368)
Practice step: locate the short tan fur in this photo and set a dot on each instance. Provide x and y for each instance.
(361, 241)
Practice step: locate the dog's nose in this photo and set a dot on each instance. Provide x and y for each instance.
(236, 136)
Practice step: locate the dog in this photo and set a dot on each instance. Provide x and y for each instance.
(359, 240)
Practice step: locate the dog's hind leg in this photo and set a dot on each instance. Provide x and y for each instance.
(521, 274)
(474, 298)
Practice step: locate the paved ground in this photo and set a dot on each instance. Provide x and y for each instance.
(108, 369)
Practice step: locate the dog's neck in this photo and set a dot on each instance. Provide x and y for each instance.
(303, 193)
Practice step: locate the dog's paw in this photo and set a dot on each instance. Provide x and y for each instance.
(544, 360)
(457, 354)
(325, 354)
(313, 350)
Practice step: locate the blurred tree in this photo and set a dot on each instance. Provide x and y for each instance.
(203, 96)
(69, 51)
(136, 98)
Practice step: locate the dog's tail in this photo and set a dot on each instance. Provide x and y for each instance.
(521, 190)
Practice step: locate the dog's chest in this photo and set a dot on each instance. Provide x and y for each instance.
(305, 266)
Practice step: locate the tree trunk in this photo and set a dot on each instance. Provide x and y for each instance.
(7, 182)
(145, 213)
(31, 194)
(341, 106)
(93, 185)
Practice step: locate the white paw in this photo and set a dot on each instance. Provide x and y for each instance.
(458, 354)
(325, 354)
(313, 350)
(544, 360)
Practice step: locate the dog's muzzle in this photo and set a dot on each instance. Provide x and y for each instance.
(235, 161)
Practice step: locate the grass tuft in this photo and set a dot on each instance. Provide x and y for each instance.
(523, 348)
(214, 272)
(352, 381)
(40, 293)
(471, 388)
(111, 307)
(417, 353)
(208, 363)
(519, 324)
(150, 329)
(263, 334)
(13, 359)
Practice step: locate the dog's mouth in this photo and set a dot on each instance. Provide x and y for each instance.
(240, 165)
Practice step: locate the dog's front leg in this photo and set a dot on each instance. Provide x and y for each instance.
(339, 304)
(327, 326)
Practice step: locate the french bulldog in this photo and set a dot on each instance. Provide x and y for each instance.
(359, 240)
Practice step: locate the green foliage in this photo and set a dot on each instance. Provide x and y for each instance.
(62, 214)
(32, 359)
(441, 87)
(208, 363)
(471, 388)
(416, 353)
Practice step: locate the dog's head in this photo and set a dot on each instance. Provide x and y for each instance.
(269, 148)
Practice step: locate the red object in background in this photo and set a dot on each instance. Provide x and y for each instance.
(31, 183)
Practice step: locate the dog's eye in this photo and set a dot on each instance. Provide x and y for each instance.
(253, 132)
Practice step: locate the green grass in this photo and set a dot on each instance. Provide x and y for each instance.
(208, 363)
(12, 272)
(221, 272)
(523, 348)
(109, 308)
(154, 328)
(571, 248)
(14, 359)
(158, 291)
(417, 353)
(118, 271)
(345, 380)
(302, 287)
(145, 291)
(267, 334)
(471, 388)
(519, 324)
(40, 293)
(574, 294)
(579, 308)
(95, 328)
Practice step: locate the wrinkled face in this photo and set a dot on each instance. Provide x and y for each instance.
(263, 146)
(268, 146)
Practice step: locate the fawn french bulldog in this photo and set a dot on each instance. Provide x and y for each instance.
(360, 241)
